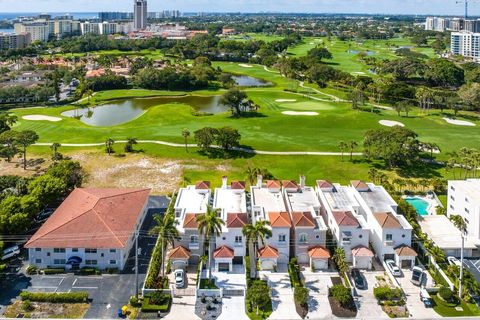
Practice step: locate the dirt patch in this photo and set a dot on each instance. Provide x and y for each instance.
(47, 310)
(339, 311)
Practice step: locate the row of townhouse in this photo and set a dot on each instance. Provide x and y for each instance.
(362, 218)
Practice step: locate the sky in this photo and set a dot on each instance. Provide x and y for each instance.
(445, 7)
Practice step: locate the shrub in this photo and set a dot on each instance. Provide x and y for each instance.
(294, 272)
(157, 301)
(258, 296)
(386, 293)
(340, 293)
(300, 295)
(31, 269)
(27, 305)
(89, 271)
(53, 271)
(111, 270)
(134, 302)
(445, 294)
(66, 297)
(3, 267)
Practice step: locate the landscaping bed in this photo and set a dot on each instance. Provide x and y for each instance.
(156, 302)
(258, 299)
(46, 310)
(300, 293)
(341, 300)
(208, 284)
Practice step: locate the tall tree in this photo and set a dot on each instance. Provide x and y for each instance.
(255, 234)
(109, 145)
(129, 144)
(55, 154)
(186, 135)
(25, 139)
(166, 228)
(210, 226)
(6, 121)
(8, 144)
(352, 145)
(342, 145)
(234, 98)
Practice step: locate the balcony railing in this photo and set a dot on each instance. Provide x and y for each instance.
(193, 246)
(238, 244)
(389, 242)
(346, 242)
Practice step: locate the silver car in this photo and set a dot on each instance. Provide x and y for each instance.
(393, 268)
(179, 275)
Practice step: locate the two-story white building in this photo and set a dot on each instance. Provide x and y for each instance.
(230, 201)
(191, 201)
(349, 229)
(391, 234)
(308, 228)
(464, 200)
(268, 204)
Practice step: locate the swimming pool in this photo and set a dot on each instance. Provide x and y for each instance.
(419, 204)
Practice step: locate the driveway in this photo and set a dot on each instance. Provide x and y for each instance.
(414, 304)
(283, 304)
(184, 299)
(318, 283)
(367, 304)
(234, 285)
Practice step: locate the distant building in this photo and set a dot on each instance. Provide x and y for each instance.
(39, 31)
(14, 41)
(115, 16)
(466, 44)
(90, 28)
(464, 200)
(140, 14)
(107, 28)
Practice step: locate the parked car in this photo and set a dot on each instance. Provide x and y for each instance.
(10, 252)
(179, 278)
(425, 298)
(358, 279)
(393, 268)
(454, 261)
(417, 276)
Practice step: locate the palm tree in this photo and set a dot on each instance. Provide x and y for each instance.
(185, 135)
(54, 147)
(352, 145)
(210, 225)
(109, 145)
(342, 146)
(256, 233)
(166, 228)
(89, 94)
(129, 144)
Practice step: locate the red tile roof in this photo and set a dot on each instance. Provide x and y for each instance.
(318, 252)
(345, 218)
(289, 184)
(324, 184)
(361, 251)
(268, 252)
(92, 218)
(202, 185)
(179, 252)
(359, 185)
(387, 220)
(224, 252)
(279, 219)
(273, 184)
(238, 185)
(405, 251)
(303, 219)
(236, 220)
(190, 221)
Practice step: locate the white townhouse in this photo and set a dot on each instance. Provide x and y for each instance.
(268, 204)
(391, 234)
(191, 202)
(231, 202)
(349, 229)
(308, 233)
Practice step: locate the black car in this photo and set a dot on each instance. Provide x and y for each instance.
(358, 279)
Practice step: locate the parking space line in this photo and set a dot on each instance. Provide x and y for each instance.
(85, 288)
(73, 284)
(42, 287)
(88, 277)
(61, 281)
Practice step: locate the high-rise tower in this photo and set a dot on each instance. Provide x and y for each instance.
(140, 14)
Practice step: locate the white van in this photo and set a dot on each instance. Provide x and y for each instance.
(10, 252)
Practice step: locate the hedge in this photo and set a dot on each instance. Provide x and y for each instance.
(89, 271)
(294, 272)
(387, 293)
(164, 307)
(53, 271)
(67, 297)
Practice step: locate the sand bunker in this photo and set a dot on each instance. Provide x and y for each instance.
(459, 122)
(285, 100)
(360, 73)
(300, 113)
(389, 123)
(245, 65)
(35, 117)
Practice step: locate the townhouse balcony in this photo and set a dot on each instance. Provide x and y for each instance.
(238, 244)
(346, 242)
(193, 246)
(389, 243)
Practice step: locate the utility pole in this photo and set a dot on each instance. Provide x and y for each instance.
(136, 265)
(460, 287)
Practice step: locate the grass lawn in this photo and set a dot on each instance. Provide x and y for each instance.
(207, 284)
(443, 309)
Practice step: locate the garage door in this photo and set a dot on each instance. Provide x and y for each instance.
(267, 264)
(363, 262)
(406, 264)
(224, 267)
(320, 264)
(282, 258)
(303, 258)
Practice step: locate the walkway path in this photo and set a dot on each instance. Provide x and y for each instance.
(179, 145)
(335, 98)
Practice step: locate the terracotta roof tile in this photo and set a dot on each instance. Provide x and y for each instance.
(318, 252)
(359, 185)
(238, 185)
(387, 220)
(268, 252)
(237, 220)
(324, 184)
(279, 219)
(345, 218)
(361, 251)
(289, 184)
(303, 219)
(202, 185)
(224, 252)
(405, 251)
(273, 184)
(179, 252)
(92, 218)
(190, 221)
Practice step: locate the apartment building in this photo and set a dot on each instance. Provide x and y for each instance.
(14, 40)
(39, 31)
(464, 200)
(390, 233)
(465, 43)
(140, 14)
(350, 231)
(231, 203)
(191, 201)
(308, 232)
(90, 28)
(268, 204)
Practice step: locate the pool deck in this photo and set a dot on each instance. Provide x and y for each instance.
(432, 201)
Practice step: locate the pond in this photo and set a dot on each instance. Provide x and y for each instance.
(369, 53)
(246, 81)
(124, 110)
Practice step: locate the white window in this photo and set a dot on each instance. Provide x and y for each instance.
(38, 249)
(58, 250)
(303, 238)
(91, 262)
(282, 238)
(389, 237)
(238, 239)
(193, 239)
(452, 197)
(38, 260)
(74, 249)
(113, 250)
(90, 250)
(467, 211)
(59, 261)
(113, 261)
